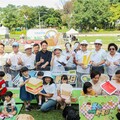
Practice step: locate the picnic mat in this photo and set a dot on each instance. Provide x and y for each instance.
(19, 106)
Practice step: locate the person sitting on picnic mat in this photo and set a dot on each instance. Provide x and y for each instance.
(50, 92)
(87, 89)
(3, 87)
(10, 108)
(63, 102)
(24, 95)
(116, 83)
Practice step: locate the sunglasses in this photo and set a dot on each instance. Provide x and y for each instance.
(83, 44)
(97, 44)
(14, 46)
(112, 49)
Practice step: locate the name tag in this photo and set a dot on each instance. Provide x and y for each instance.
(13, 66)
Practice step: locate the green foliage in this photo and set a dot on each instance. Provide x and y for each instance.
(28, 17)
(88, 14)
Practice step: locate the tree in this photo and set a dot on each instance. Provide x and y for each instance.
(88, 14)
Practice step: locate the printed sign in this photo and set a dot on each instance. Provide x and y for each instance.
(98, 108)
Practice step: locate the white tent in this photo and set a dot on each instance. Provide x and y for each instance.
(4, 30)
(72, 32)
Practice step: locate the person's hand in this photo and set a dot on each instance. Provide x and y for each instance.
(43, 66)
(9, 61)
(68, 57)
(108, 63)
(41, 60)
(95, 64)
(27, 81)
(116, 63)
(20, 61)
(81, 64)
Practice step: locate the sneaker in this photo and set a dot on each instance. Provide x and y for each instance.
(27, 109)
(38, 108)
(31, 107)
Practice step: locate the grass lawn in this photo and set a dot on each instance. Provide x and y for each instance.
(51, 115)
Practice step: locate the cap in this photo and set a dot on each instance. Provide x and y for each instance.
(99, 41)
(15, 44)
(27, 46)
(84, 42)
(57, 47)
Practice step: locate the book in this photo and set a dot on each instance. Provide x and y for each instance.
(108, 87)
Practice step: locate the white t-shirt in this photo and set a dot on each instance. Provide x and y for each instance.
(79, 57)
(57, 66)
(51, 89)
(14, 60)
(112, 68)
(117, 85)
(12, 102)
(3, 60)
(29, 61)
(98, 56)
(70, 62)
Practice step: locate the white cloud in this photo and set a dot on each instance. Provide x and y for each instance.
(48, 3)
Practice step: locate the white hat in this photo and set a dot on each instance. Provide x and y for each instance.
(27, 46)
(47, 74)
(99, 41)
(57, 47)
(84, 42)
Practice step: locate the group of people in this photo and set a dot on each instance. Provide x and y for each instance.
(79, 58)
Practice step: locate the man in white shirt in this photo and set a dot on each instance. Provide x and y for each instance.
(28, 58)
(14, 60)
(82, 66)
(3, 57)
(69, 57)
(98, 57)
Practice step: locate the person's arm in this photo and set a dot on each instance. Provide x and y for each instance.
(22, 82)
(52, 60)
(46, 95)
(38, 59)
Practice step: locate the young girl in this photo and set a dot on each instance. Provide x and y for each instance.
(60, 100)
(9, 105)
(50, 93)
(3, 87)
(24, 95)
(87, 89)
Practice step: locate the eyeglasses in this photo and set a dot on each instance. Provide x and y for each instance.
(112, 49)
(14, 46)
(83, 44)
(97, 44)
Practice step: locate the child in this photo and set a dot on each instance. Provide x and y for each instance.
(118, 114)
(60, 100)
(24, 95)
(87, 89)
(9, 105)
(38, 97)
(3, 88)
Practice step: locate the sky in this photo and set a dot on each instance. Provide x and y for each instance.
(48, 3)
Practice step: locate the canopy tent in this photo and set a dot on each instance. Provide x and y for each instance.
(72, 32)
(4, 30)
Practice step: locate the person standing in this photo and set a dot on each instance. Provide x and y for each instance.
(112, 60)
(43, 57)
(36, 48)
(82, 69)
(98, 57)
(3, 57)
(14, 60)
(28, 58)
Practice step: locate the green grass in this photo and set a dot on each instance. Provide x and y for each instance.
(105, 39)
(51, 115)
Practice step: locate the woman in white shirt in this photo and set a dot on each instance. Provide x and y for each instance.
(82, 69)
(28, 58)
(112, 60)
(58, 61)
(3, 57)
(50, 92)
